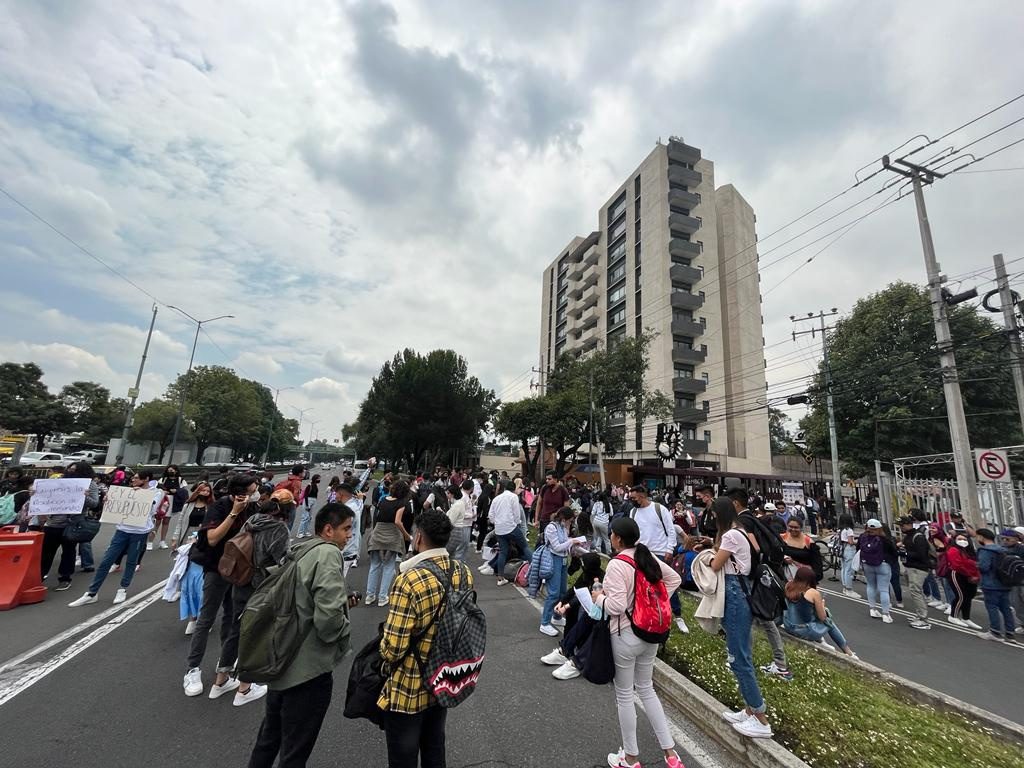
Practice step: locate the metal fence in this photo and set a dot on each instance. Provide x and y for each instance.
(1001, 504)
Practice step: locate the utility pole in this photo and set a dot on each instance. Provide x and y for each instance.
(1013, 334)
(541, 386)
(593, 434)
(963, 459)
(133, 393)
(837, 483)
(273, 416)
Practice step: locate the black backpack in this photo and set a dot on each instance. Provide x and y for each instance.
(766, 591)
(1010, 569)
(773, 554)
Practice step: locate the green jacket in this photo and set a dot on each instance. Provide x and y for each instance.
(321, 609)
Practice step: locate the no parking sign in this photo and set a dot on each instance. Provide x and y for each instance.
(992, 465)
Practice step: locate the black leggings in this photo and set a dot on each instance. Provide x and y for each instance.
(53, 540)
(963, 594)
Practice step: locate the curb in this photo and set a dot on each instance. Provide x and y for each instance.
(1000, 726)
(705, 710)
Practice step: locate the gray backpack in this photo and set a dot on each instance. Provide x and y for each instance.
(270, 636)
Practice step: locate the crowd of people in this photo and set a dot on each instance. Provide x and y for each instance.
(612, 557)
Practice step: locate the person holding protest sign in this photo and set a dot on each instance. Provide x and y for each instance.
(129, 537)
(53, 528)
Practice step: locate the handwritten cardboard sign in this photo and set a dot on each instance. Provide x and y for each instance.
(60, 496)
(129, 506)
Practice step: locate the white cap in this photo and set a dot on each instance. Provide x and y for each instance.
(873, 523)
(769, 507)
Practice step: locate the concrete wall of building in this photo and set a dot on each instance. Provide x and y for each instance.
(740, 305)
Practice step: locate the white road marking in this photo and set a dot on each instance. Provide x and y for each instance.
(683, 741)
(77, 629)
(10, 689)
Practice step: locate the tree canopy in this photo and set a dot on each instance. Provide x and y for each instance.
(27, 406)
(887, 386)
(420, 409)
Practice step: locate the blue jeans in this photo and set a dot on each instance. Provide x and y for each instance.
(931, 587)
(382, 571)
(878, 578)
(85, 552)
(816, 630)
(673, 599)
(894, 582)
(306, 521)
(130, 544)
(556, 586)
(737, 623)
(1000, 617)
(848, 553)
(504, 540)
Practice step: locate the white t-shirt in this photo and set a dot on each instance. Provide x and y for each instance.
(736, 542)
(657, 531)
(845, 535)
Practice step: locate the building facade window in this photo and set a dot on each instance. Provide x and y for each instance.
(683, 372)
(616, 274)
(616, 317)
(616, 295)
(615, 338)
(707, 436)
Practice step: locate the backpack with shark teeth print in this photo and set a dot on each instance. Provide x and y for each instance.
(452, 666)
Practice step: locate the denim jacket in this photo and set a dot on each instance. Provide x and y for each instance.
(987, 556)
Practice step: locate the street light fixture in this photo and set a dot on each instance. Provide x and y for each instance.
(270, 429)
(184, 383)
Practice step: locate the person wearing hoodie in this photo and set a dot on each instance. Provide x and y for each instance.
(919, 563)
(997, 594)
(964, 576)
(577, 624)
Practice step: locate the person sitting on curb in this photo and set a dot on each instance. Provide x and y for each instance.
(807, 617)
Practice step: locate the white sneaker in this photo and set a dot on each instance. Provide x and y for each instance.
(826, 645)
(116, 568)
(486, 570)
(370, 600)
(193, 683)
(163, 545)
(120, 596)
(851, 593)
(558, 622)
(502, 581)
(383, 602)
(85, 599)
(886, 618)
(255, 693)
(681, 623)
(190, 628)
(972, 624)
(920, 625)
(554, 659)
(933, 603)
(216, 691)
(957, 622)
(753, 728)
(149, 546)
(988, 636)
(874, 613)
(735, 717)
(566, 672)
(548, 630)
(947, 610)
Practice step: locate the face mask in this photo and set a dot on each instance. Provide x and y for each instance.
(961, 543)
(596, 612)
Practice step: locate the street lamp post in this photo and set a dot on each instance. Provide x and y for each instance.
(184, 383)
(270, 429)
(302, 412)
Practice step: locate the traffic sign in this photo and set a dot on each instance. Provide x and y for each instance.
(992, 465)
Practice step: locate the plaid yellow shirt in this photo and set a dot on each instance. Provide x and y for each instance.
(415, 597)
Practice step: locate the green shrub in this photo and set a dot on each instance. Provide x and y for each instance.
(833, 716)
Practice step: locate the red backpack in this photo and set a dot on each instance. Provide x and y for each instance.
(651, 617)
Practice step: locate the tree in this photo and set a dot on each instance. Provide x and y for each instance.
(421, 408)
(223, 409)
(252, 442)
(27, 406)
(153, 422)
(777, 421)
(93, 412)
(522, 422)
(887, 386)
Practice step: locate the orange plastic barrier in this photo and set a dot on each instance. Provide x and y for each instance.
(21, 557)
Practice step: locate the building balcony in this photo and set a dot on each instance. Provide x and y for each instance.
(682, 152)
(589, 278)
(592, 256)
(689, 328)
(576, 271)
(588, 319)
(691, 356)
(680, 273)
(588, 343)
(686, 176)
(680, 222)
(686, 300)
(686, 199)
(684, 248)
(587, 299)
(689, 415)
(688, 386)
(693, 446)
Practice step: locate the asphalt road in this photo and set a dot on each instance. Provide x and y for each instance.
(109, 693)
(946, 658)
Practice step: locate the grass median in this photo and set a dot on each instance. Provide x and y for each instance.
(833, 716)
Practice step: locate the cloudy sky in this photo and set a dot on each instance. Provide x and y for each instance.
(352, 178)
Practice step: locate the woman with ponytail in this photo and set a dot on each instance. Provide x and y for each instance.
(634, 658)
(736, 553)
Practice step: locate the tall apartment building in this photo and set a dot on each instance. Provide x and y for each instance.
(675, 255)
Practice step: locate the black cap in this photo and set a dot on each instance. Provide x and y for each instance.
(906, 520)
(346, 487)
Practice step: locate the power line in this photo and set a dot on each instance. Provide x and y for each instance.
(961, 127)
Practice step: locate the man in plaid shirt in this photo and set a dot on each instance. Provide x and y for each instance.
(415, 725)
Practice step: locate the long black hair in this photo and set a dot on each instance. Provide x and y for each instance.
(627, 530)
(725, 514)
